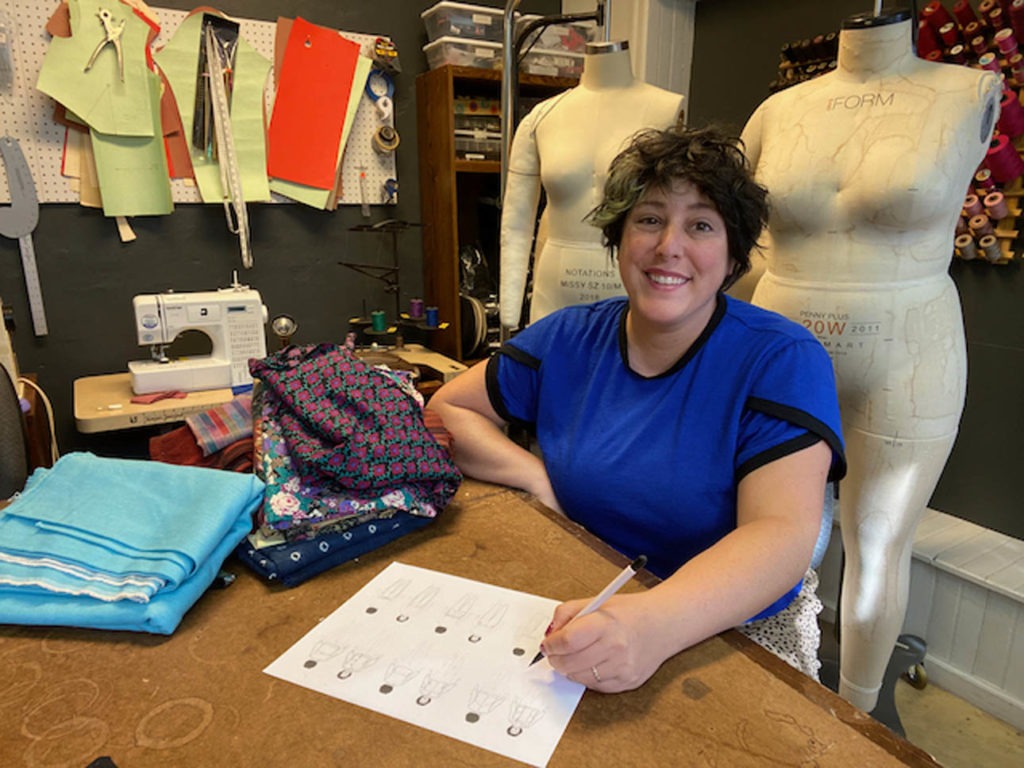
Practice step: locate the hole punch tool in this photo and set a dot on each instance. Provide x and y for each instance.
(112, 37)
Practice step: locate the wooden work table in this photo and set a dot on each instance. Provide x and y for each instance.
(200, 698)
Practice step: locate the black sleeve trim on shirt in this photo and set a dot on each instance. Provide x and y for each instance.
(491, 379)
(806, 440)
(818, 430)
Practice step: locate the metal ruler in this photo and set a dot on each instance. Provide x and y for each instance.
(19, 220)
(227, 158)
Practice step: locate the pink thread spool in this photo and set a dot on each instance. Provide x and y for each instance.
(1002, 159)
(988, 61)
(984, 181)
(979, 45)
(1006, 42)
(973, 206)
(961, 226)
(1017, 17)
(995, 206)
(1011, 114)
(1016, 64)
(990, 248)
(965, 248)
(980, 225)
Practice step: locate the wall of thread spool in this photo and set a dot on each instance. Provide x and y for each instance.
(991, 225)
(801, 60)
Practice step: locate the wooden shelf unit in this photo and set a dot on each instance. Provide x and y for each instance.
(450, 188)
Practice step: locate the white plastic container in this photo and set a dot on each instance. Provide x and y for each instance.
(553, 63)
(572, 37)
(464, 53)
(474, 22)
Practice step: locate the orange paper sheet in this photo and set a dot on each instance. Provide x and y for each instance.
(309, 109)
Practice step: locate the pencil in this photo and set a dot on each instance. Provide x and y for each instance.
(616, 584)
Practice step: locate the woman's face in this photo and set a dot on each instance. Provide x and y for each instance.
(673, 258)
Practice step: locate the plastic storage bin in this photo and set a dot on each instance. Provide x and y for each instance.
(558, 37)
(475, 22)
(464, 53)
(552, 63)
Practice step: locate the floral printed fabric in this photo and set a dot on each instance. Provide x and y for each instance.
(338, 438)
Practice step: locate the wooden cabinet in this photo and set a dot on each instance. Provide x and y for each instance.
(457, 196)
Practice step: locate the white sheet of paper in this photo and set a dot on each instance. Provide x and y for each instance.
(445, 653)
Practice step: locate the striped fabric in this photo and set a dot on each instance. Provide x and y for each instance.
(223, 424)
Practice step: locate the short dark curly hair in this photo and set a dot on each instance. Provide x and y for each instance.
(711, 160)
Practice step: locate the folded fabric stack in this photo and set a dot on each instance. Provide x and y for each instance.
(118, 543)
(348, 459)
(220, 438)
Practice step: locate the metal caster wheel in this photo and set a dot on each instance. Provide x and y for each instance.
(917, 676)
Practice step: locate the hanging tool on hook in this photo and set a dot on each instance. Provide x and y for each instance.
(219, 69)
(18, 220)
(112, 36)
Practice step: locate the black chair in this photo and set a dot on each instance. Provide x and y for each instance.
(13, 440)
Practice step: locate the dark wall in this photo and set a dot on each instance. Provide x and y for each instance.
(89, 277)
(735, 57)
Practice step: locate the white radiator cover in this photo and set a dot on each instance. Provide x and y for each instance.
(967, 603)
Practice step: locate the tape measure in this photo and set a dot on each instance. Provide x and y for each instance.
(19, 220)
(385, 140)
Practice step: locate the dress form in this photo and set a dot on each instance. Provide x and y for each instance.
(867, 168)
(565, 145)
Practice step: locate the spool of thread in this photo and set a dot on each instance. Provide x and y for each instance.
(973, 206)
(995, 206)
(1006, 41)
(965, 247)
(964, 13)
(980, 225)
(1017, 17)
(935, 13)
(935, 56)
(1011, 114)
(950, 33)
(990, 248)
(927, 39)
(957, 54)
(983, 180)
(997, 19)
(1002, 159)
(988, 61)
(961, 226)
(415, 308)
(979, 45)
(432, 320)
(1016, 64)
(379, 320)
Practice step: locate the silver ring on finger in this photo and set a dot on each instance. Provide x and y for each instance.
(594, 672)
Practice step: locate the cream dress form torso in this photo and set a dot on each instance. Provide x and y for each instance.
(867, 168)
(566, 144)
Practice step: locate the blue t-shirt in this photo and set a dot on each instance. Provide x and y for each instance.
(651, 465)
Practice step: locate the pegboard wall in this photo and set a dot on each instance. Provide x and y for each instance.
(26, 113)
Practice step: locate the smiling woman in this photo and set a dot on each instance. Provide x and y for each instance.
(675, 423)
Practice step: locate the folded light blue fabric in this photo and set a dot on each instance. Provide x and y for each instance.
(90, 522)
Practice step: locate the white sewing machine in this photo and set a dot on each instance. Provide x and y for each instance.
(233, 318)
